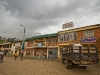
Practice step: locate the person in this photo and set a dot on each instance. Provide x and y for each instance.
(15, 55)
(1, 54)
(22, 53)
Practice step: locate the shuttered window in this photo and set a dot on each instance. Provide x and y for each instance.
(67, 37)
(88, 33)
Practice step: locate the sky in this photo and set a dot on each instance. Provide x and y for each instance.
(40, 17)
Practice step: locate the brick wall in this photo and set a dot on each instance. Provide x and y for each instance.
(80, 35)
(97, 34)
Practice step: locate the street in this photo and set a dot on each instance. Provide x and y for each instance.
(42, 67)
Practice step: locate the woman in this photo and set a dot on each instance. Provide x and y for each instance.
(15, 55)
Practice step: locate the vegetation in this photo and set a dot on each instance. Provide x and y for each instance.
(1, 41)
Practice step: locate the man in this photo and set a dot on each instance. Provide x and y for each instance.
(22, 53)
(1, 55)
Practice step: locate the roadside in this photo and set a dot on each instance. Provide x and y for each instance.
(41, 67)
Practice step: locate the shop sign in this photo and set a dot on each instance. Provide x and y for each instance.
(89, 39)
(67, 25)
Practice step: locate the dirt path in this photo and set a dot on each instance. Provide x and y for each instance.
(42, 67)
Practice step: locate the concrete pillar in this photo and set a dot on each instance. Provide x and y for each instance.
(33, 54)
(59, 53)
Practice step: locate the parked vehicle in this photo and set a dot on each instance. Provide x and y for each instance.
(82, 55)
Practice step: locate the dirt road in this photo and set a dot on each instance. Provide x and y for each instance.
(42, 67)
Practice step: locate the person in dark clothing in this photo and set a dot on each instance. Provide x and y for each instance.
(22, 53)
(1, 55)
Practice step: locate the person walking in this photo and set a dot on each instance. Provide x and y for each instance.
(15, 55)
(1, 56)
(22, 53)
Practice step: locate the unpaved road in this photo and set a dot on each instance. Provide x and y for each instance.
(42, 67)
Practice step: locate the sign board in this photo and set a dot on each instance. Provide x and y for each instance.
(89, 39)
(67, 25)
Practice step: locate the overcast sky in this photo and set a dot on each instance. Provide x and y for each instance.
(45, 16)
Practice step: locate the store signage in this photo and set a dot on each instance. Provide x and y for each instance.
(67, 25)
(89, 39)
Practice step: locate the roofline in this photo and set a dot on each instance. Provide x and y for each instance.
(80, 28)
(41, 36)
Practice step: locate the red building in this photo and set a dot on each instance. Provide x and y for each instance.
(83, 35)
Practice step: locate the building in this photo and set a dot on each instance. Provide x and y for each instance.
(6, 48)
(83, 35)
(16, 46)
(42, 46)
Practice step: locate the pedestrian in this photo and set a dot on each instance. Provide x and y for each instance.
(22, 53)
(15, 55)
(1, 55)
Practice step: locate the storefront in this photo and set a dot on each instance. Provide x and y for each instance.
(86, 35)
(40, 53)
(52, 53)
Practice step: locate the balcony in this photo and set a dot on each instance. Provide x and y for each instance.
(6, 48)
(29, 45)
(52, 44)
(40, 45)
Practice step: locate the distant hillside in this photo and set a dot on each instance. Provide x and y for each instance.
(1, 41)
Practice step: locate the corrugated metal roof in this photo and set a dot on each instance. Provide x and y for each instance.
(27, 39)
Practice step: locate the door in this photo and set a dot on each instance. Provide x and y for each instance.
(41, 53)
(53, 54)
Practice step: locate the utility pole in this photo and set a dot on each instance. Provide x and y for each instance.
(23, 37)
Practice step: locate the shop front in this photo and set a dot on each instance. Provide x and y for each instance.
(40, 53)
(29, 53)
(83, 35)
(52, 53)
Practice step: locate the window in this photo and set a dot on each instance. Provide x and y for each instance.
(27, 52)
(67, 37)
(49, 40)
(88, 33)
(50, 52)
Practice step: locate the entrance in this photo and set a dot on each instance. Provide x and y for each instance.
(52, 54)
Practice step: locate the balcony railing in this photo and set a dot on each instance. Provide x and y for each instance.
(29, 45)
(52, 44)
(40, 45)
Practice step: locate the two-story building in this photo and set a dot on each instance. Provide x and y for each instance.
(83, 35)
(42, 46)
(6, 48)
(16, 46)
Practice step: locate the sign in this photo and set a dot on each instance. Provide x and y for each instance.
(89, 39)
(68, 25)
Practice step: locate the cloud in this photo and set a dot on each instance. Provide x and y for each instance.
(45, 16)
